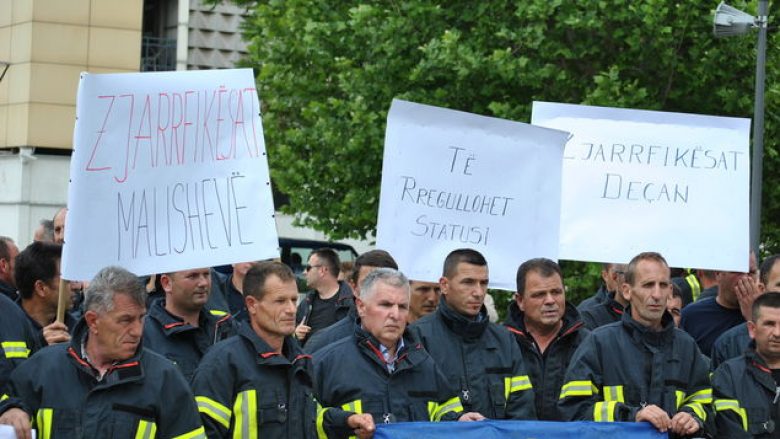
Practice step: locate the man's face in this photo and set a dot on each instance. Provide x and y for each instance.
(607, 275)
(188, 290)
(118, 332)
(649, 293)
(384, 313)
(424, 299)
(674, 306)
(727, 280)
(7, 265)
(543, 301)
(59, 226)
(773, 279)
(465, 291)
(314, 271)
(766, 332)
(51, 290)
(273, 316)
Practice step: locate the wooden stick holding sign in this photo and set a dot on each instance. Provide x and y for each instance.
(64, 299)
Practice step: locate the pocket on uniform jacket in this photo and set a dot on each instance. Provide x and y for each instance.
(760, 421)
(271, 408)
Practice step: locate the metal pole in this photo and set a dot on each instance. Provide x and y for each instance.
(758, 129)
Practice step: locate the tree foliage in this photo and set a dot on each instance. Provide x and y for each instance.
(327, 72)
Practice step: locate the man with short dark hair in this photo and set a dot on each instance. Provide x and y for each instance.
(381, 371)
(733, 342)
(37, 273)
(8, 252)
(746, 388)
(179, 327)
(547, 329)
(102, 384)
(364, 264)
(44, 231)
(675, 304)
(610, 308)
(642, 369)
(258, 384)
(480, 357)
(609, 285)
(329, 301)
(708, 318)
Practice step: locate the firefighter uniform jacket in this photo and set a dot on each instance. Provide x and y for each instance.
(747, 404)
(351, 376)
(623, 366)
(604, 313)
(17, 340)
(142, 397)
(181, 342)
(482, 360)
(547, 369)
(246, 390)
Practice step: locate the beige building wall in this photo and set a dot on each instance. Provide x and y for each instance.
(48, 43)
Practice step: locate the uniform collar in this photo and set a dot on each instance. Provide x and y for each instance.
(468, 329)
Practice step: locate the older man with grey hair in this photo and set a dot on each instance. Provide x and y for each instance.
(103, 383)
(381, 371)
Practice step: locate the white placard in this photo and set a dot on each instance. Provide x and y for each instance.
(636, 180)
(7, 432)
(169, 172)
(457, 180)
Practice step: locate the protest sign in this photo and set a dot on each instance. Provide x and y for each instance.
(492, 429)
(637, 180)
(452, 180)
(169, 172)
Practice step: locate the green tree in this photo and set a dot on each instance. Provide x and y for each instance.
(327, 72)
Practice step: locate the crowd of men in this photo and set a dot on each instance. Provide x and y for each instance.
(195, 353)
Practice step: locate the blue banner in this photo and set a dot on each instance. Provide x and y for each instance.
(518, 430)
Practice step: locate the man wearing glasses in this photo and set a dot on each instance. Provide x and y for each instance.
(329, 301)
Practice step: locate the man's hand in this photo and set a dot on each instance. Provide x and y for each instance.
(362, 425)
(683, 424)
(56, 333)
(471, 416)
(656, 416)
(747, 291)
(302, 331)
(19, 420)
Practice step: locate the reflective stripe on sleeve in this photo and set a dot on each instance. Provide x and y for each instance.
(451, 405)
(320, 419)
(245, 413)
(732, 404)
(703, 396)
(15, 349)
(146, 430)
(604, 411)
(613, 393)
(698, 409)
(516, 384)
(578, 388)
(43, 419)
(214, 410)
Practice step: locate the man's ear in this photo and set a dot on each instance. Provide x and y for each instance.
(360, 306)
(625, 290)
(166, 282)
(444, 285)
(91, 318)
(39, 288)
